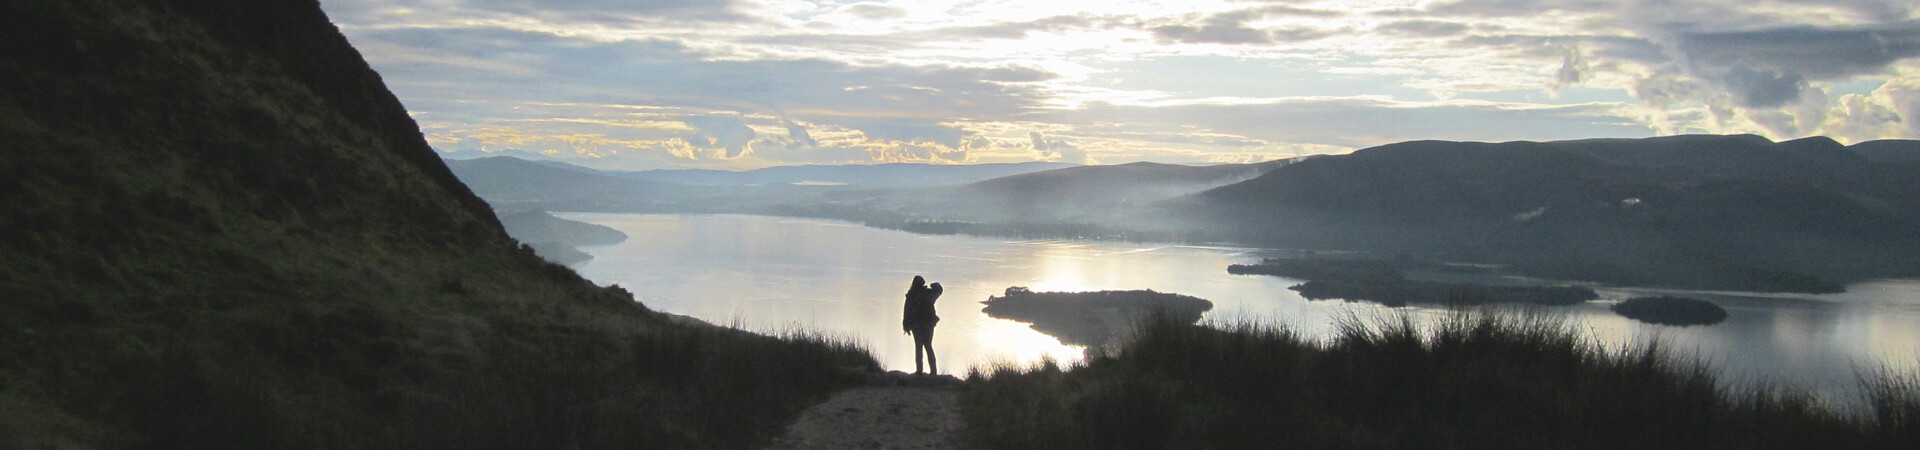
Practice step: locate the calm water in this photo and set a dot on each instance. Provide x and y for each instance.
(772, 274)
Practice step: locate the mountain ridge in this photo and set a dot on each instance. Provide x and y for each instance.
(1718, 211)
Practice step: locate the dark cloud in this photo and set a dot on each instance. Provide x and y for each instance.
(1423, 28)
(1554, 47)
(1224, 28)
(1812, 53)
(1763, 89)
(1365, 122)
(876, 11)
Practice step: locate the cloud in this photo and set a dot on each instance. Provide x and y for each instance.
(889, 97)
(1064, 150)
(1805, 52)
(727, 132)
(876, 11)
(1018, 30)
(738, 83)
(588, 11)
(1423, 28)
(904, 152)
(1860, 118)
(907, 130)
(798, 133)
(1231, 28)
(1762, 89)
(1365, 121)
(1573, 68)
(1628, 48)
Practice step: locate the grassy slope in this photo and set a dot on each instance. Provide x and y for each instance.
(1474, 382)
(222, 232)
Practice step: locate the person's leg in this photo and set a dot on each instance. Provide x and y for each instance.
(933, 365)
(916, 350)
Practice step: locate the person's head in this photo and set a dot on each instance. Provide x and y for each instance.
(936, 286)
(919, 282)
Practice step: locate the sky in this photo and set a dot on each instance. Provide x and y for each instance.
(743, 84)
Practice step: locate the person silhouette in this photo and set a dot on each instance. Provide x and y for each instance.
(919, 319)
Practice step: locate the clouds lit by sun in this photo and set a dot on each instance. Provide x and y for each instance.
(752, 83)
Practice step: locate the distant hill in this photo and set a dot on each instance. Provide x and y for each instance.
(222, 231)
(1083, 194)
(555, 238)
(517, 184)
(858, 175)
(1733, 212)
(477, 154)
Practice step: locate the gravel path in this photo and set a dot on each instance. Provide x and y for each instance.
(895, 411)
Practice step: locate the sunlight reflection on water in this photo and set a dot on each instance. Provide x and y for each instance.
(768, 273)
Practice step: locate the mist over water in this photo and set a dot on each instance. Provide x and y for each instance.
(774, 273)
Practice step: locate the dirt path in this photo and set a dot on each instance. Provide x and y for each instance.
(895, 411)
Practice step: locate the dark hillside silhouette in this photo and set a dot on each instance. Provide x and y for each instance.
(222, 231)
(1889, 150)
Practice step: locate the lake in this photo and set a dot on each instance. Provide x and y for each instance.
(774, 274)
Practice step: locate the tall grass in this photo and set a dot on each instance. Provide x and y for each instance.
(1466, 380)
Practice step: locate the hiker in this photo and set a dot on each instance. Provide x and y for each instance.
(919, 320)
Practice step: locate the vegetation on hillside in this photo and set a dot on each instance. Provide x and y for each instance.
(223, 232)
(1468, 381)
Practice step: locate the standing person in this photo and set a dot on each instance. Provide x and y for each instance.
(919, 320)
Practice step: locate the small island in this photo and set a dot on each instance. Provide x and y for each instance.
(1091, 319)
(1385, 282)
(1665, 310)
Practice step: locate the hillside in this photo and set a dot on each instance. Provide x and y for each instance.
(1889, 150)
(224, 232)
(556, 239)
(1716, 212)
